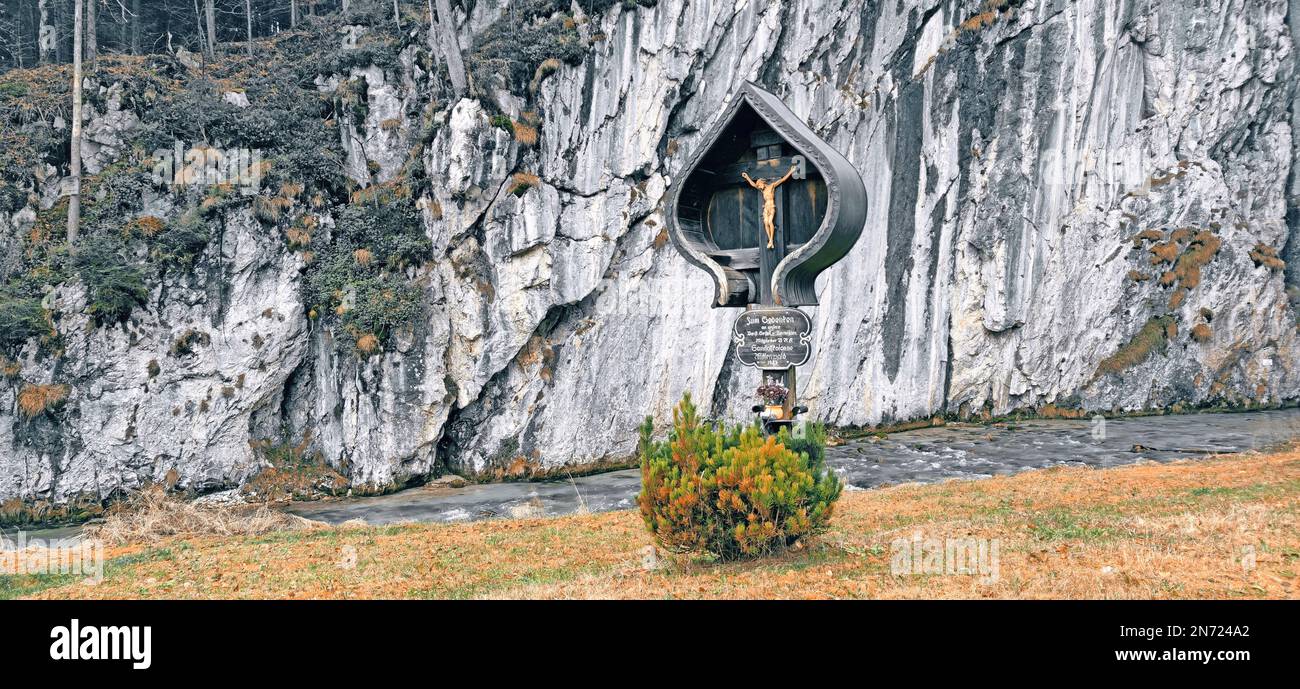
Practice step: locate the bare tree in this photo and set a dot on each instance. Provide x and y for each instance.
(397, 16)
(293, 14)
(198, 23)
(92, 31)
(135, 27)
(443, 27)
(11, 36)
(74, 196)
(211, 11)
(248, 16)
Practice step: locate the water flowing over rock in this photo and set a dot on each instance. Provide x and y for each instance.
(1061, 195)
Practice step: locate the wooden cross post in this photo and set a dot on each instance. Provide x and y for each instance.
(768, 146)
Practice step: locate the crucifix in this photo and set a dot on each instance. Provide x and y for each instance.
(770, 153)
(769, 200)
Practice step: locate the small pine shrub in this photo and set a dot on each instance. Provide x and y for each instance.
(733, 493)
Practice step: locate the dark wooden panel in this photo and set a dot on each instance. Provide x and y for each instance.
(734, 219)
(805, 206)
(765, 137)
(740, 259)
(763, 169)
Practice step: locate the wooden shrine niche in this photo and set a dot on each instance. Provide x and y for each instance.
(764, 205)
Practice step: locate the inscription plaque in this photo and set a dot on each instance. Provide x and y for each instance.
(773, 339)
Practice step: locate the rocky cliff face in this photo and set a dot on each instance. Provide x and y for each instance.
(1088, 205)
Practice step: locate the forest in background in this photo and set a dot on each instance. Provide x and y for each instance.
(35, 32)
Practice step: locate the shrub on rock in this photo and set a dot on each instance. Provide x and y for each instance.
(733, 493)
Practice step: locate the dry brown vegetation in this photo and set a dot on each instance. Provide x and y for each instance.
(1153, 336)
(1265, 255)
(525, 134)
(292, 472)
(147, 226)
(368, 344)
(38, 399)
(153, 515)
(523, 182)
(1177, 530)
(1165, 252)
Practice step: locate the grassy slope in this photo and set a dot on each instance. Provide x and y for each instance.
(1144, 531)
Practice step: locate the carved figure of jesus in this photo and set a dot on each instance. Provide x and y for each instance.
(768, 188)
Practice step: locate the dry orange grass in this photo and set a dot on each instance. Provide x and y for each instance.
(525, 134)
(297, 238)
(147, 226)
(367, 344)
(37, 399)
(1266, 255)
(1180, 530)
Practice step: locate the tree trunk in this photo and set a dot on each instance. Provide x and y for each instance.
(397, 16)
(212, 27)
(443, 26)
(198, 25)
(46, 39)
(18, 37)
(293, 14)
(74, 197)
(92, 31)
(135, 27)
(248, 16)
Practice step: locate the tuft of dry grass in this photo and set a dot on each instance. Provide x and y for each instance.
(270, 210)
(548, 67)
(153, 515)
(1153, 336)
(1164, 252)
(1177, 298)
(297, 238)
(146, 226)
(34, 400)
(1147, 235)
(1203, 248)
(1201, 332)
(523, 182)
(363, 257)
(367, 344)
(525, 134)
(1265, 255)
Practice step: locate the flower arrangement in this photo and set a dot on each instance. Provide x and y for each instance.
(772, 394)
